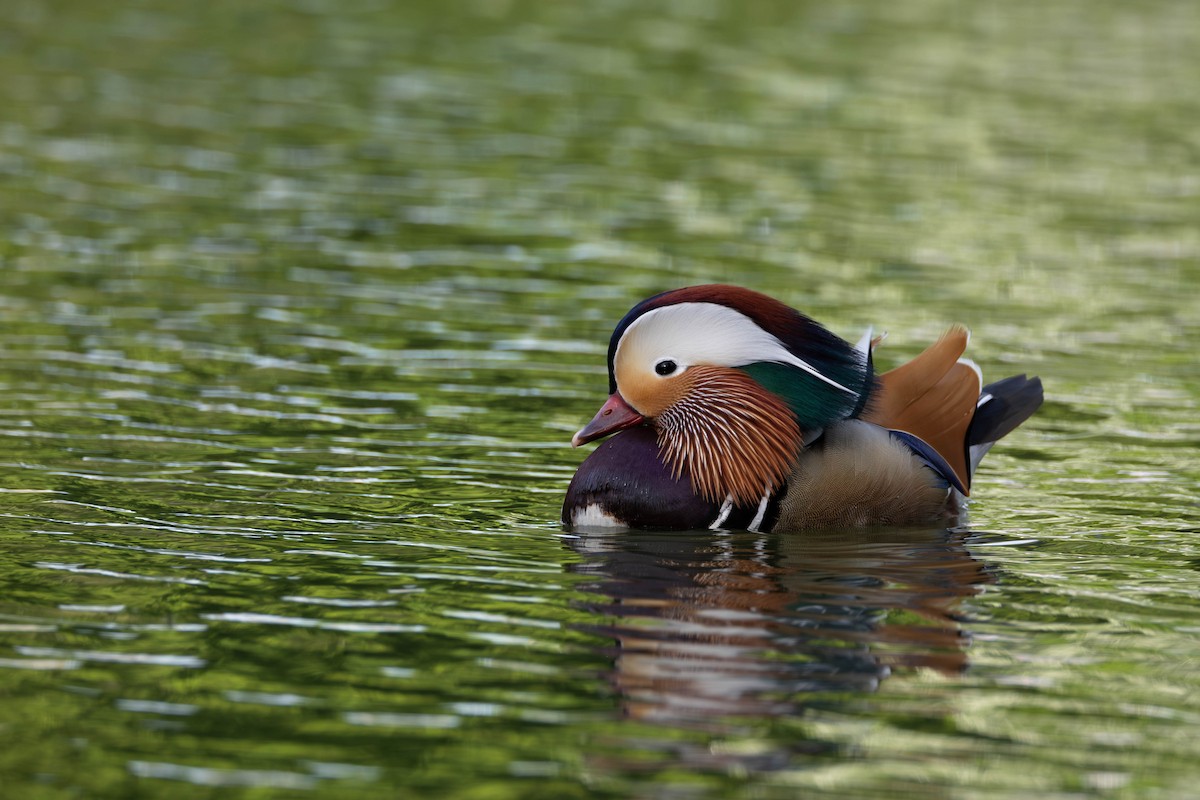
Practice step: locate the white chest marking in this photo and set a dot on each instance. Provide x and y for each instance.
(593, 516)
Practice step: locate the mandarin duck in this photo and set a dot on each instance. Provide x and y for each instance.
(732, 410)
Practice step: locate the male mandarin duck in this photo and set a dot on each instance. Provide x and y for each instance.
(732, 410)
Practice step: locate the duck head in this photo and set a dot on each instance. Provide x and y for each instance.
(733, 383)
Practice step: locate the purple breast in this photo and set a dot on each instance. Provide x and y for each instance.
(625, 480)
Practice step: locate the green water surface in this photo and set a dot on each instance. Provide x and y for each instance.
(301, 302)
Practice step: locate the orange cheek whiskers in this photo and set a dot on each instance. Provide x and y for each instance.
(732, 436)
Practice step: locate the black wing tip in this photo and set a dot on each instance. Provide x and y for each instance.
(1012, 400)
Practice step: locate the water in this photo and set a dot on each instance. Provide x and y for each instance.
(301, 303)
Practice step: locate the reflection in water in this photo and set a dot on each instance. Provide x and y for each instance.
(710, 625)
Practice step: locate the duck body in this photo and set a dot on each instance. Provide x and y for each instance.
(731, 410)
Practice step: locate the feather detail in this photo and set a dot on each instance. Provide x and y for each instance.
(931, 457)
(906, 384)
(736, 440)
(860, 474)
(867, 342)
(932, 397)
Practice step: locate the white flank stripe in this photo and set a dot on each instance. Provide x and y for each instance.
(726, 508)
(762, 512)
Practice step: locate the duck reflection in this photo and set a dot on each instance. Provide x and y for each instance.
(710, 624)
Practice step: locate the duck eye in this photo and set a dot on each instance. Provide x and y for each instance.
(665, 367)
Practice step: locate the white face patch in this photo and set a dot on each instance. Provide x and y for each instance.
(702, 333)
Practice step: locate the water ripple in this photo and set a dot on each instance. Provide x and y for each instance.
(213, 776)
(82, 570)
(252, 618)
(101, 656)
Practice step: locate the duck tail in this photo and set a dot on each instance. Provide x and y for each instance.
(1002, 406)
